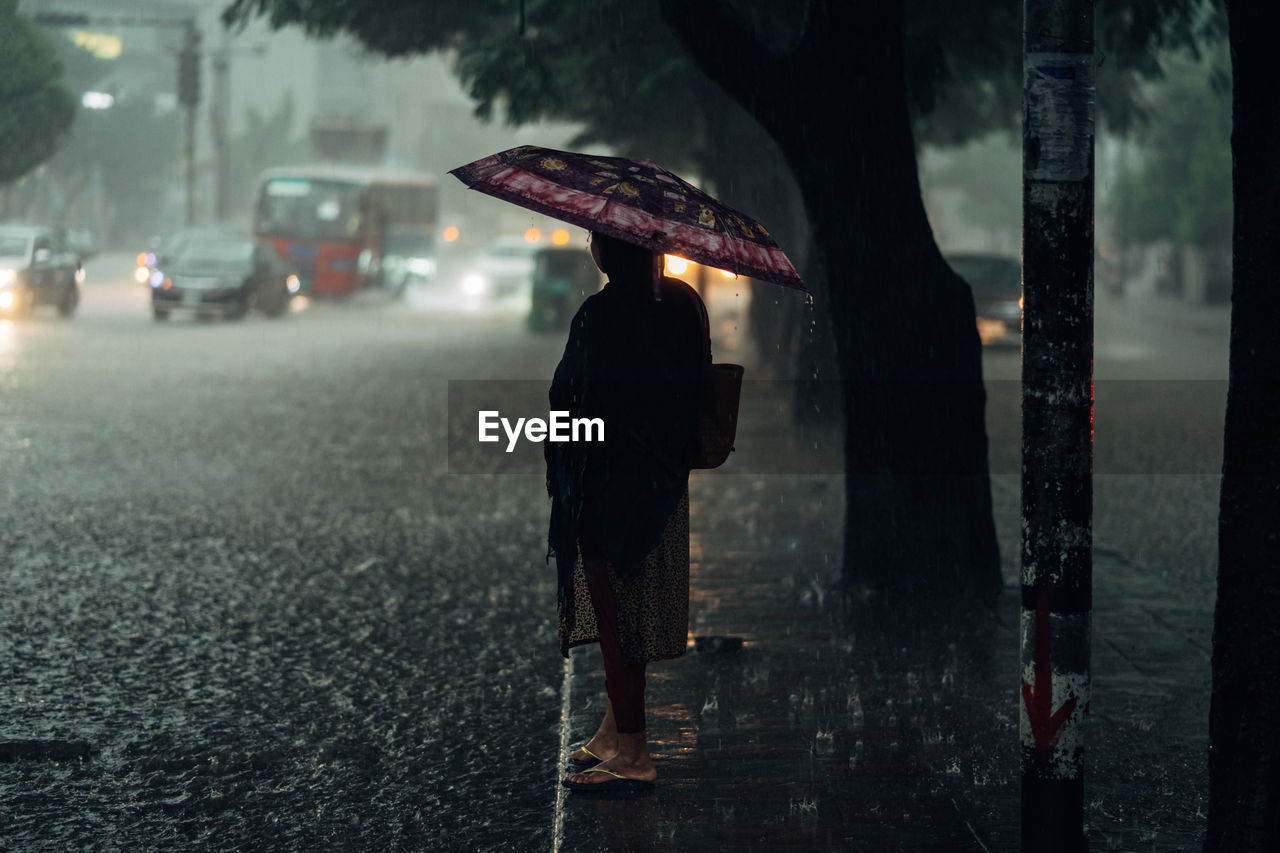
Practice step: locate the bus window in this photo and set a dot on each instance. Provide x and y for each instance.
(310, 209)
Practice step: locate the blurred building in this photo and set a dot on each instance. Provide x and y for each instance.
(346, 103)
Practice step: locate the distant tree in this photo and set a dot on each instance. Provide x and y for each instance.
(1181, 188)
(35, 107)
(128, 151)
(266, 141)
(1244, 720)
(830, 87)
(980, 170)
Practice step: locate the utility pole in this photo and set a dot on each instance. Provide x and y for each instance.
(189, 96)
(1057, 419)
(221, 128)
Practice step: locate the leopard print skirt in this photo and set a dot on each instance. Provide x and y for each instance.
(653, 604)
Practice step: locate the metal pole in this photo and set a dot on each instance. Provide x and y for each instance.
(189, 160)
(192, 45)
(1057, 419)
(221, 128)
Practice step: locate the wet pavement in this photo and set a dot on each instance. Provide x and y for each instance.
(839, 727)
(841, 730)
(239, 576)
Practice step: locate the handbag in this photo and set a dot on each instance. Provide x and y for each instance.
(719, 390)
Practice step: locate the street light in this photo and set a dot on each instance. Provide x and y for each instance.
(97, 100)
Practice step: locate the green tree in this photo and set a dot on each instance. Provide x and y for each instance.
(127, 151)
(1181, 189)
(35, 107)
(131, 151)
(830, 89)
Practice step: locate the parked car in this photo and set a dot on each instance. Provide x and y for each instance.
(222, 275)
(562, 279)
(996, 282)
(37, 268)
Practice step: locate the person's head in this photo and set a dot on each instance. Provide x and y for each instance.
(621, 261)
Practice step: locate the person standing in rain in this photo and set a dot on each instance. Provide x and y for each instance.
(620, 508)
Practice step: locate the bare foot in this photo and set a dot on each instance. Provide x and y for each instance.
(602, 748)
(604, 745)
(632, 761)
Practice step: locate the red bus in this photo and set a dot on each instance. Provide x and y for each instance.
(330, 222)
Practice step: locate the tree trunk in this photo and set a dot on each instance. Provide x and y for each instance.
(918, 498)
(1244, 719)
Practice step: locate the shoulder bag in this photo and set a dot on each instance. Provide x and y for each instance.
(719, 389)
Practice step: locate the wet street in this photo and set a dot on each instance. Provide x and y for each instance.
(237, 574)
(240, 579)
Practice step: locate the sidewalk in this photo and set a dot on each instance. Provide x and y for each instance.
(813, 737)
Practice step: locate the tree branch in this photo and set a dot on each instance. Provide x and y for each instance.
(717, 40)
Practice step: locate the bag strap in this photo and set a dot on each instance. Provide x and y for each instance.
(706, 323)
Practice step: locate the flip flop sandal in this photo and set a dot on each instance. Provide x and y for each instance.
(619, 784)
(583, 763)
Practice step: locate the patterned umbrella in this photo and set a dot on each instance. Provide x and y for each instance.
(633, 200)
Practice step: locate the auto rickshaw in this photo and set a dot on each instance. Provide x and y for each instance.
(562, 279)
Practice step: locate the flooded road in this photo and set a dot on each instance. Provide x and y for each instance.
(238, 576)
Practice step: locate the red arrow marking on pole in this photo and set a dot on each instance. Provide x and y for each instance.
(1046, 724)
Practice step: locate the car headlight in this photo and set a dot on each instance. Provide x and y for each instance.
(8, 277)
(424, 267)
(474, 284)
(293, 284)
(6, 299)
(157, 278)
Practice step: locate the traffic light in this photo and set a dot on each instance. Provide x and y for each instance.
(189, 76)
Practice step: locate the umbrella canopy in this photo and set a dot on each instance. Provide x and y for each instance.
(633, 200)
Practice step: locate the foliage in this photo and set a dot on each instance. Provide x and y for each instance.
(964, 60)
(35, 107)
(130, 150)
(265, 142)
(570, 60)
(127, 152)
(541, 59)
(1181, 188)
(986, 171)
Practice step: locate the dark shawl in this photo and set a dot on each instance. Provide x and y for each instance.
(633, 362)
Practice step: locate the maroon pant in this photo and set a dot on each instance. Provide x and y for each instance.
(624, 682)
